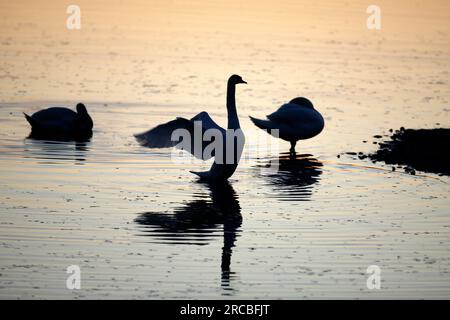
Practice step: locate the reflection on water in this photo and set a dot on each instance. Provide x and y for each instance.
(197, 222)
(292, 176)
(43, 148)
(136, 71)
(77, 137)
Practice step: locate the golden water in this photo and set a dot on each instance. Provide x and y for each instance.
(141, 226)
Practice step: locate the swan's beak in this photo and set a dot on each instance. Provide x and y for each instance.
(243, 82)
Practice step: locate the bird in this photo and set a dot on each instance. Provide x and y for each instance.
(214, 140)
(296, 120)
(61, 122)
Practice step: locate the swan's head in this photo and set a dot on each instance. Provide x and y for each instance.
(302, 102)
(85, 121)
(81, 109)
(235, 79)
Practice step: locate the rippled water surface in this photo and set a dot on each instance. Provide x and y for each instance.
(140, 225)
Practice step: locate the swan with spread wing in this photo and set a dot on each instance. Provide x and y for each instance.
(224, 145)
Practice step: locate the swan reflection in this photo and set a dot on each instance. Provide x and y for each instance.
(197, 222)
(59, 149)
(292, 177)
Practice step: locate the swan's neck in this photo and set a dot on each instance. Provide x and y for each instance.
(233, 120)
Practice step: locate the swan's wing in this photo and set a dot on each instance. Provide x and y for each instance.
(292, 113)
(207, 122)
(55, 114)
(161, 135)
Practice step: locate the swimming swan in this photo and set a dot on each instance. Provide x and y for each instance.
(296, 120)
(226, 155)
(59, 121)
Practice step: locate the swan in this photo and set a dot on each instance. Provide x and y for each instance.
(223, 166)
(296, 120)
(60, 121)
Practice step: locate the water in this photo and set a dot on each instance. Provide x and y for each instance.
(141, 226)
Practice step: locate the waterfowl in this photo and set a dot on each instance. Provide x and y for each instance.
(60, 121)
(296, 120)
(204, 138)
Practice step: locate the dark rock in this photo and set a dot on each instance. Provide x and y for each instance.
(417, 149)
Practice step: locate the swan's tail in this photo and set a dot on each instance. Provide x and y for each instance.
(262, 124)
(204, 175)
(29, 119)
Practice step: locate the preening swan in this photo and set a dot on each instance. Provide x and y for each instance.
(296, 120)
(204, 138)
(59, 121)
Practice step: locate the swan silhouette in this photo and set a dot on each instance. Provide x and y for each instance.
(296, 120)
(230, 142)
(59, 122)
